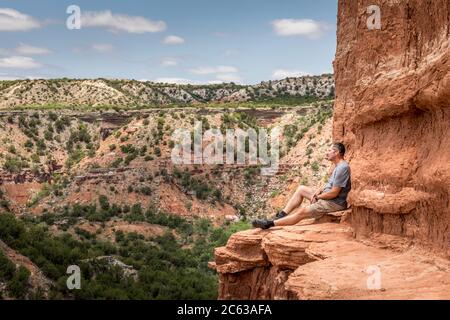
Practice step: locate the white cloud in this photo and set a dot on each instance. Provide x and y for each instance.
(25, 49)
(13, 20)
(173, 40)
(299, 27)
(176, 81)
(169, 62)
(220, 78)
(221, 73)
(18, 62)
(227, 77)
(6, 76)
(95, 48)
(103, 47)
(214, 82)
(213, 70)
(121, 22)
(283, 73)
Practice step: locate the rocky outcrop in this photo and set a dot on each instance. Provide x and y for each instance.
(256, 264)
(324, 261)
(392, 110)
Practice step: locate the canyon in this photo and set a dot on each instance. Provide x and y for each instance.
(94, 185)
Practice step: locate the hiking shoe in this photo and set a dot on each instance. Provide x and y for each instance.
(280, 215)
(263, 224)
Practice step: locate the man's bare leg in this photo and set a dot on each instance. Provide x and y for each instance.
(297, 199)
(294, 218)
(285, 219)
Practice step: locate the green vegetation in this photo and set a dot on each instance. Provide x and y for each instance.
(14, 164)
(75, 156)
(238, 119)
(199, 187)
(80, 135)
(75, 143)
(165, 268)
(16, 279)
(315, 166)
(48, 189)
(297, 130)
(287, 100)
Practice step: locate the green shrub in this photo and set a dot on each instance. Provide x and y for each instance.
(315, 166)
(48, 135)
(29, 144)
(52, 116)
(7, 268)
(18, 285)
(74, 157)
(14, 165)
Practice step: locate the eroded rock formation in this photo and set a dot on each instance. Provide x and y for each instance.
(324, 261)
(393, 112)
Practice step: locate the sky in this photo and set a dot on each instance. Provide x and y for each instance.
(175, 41)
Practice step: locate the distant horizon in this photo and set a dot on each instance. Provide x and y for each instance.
(171, 41)
(167, 83)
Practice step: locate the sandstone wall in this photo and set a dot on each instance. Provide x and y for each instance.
(393, 111)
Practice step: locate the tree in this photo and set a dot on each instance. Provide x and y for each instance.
(104, 202)
(18, 286)
(7, 268)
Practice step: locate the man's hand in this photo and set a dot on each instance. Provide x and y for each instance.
(314, 198)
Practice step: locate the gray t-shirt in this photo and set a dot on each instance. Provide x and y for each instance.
(341, 177)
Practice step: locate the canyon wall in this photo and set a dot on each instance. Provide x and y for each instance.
(392, 111)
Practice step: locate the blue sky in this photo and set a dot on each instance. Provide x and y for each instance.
(196, 41)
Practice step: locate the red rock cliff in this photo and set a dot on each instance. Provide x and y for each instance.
(393, 112)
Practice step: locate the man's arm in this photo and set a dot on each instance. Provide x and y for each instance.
(342, 177)
(333, 193)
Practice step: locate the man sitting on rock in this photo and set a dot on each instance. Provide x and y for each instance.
(331, 198)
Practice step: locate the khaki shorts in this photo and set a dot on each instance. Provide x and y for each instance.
(321, 207)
